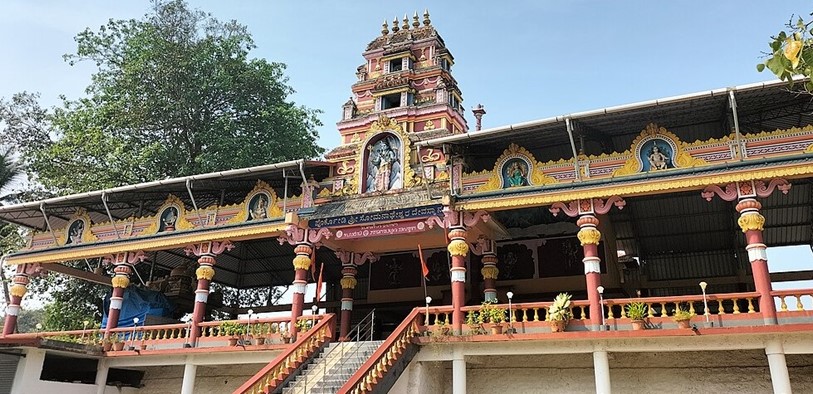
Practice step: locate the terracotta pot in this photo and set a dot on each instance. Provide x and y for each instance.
(638, 325)
(118, 346)
(144, 347)
(286, 339)
(558, 326)
(684, 323)
(233, 341)
(445, 330)
(107, 346)
(260, 340)
(496, 329)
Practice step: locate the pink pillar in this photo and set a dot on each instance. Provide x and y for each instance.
(752, 222)
(302, 263)
(17, 291)
(459, 250)
(589, 236)
(348, 283)
(204, 274)
(120, 281)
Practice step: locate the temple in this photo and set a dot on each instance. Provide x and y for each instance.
(621, 249)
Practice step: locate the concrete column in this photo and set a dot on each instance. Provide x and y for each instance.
(28, 372)
(101, 376)
(751, 222)
(489, 271)
(459, 250)
(189, 372)
(601, 368)
(17, 291)
(778, 366)
(459, 375)
(302, 262)
(348, 283)
(120, 281)
(589, 236)
(204, 274)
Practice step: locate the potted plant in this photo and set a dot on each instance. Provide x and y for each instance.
(118, 344)
(107, 343)
(303, 325)
(286, 336)
(233, 330)
(559, 313)
(637, 312)
(682, 317)
(443, 328)
(147, 337)
(494, 316)
(475, 322)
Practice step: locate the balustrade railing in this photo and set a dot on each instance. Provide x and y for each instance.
(277, 371)
(793, 300)
(714, 304)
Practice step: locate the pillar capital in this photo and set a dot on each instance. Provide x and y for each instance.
(751, 221)
(208, 249)
(593, 206)
(746, 189)
(452, 218)
(589, 236)
(457, 242)
(295, 235)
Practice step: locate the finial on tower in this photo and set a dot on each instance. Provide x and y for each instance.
(426, 21)
(385, 28)
(395, 25)
(405, 26)
(415, 22)
(479, 111)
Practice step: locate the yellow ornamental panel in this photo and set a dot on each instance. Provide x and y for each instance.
(589, 236)
(18, 290)
(302, 262)
(458, 248)
(120, 281)
(751, 221)
(205, 272)
(348, 282)
(490, 272)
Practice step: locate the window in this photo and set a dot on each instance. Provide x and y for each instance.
(395, 65)
(391, 101)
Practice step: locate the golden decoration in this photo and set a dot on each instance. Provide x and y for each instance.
(121, 281)
(535, 176)
(680, 158)
(548, 197)
(348, 282)
(809, 149)
(589, 236)
(381, 125)
(355, 138)
(169, 241)
(17, 290)
(302, 262)
(429, 125)
(490, 272)
(87, 233)
(751, 221)
(205, 272)
(346, 168)
(274, 211)
(458, 247)
(324, 193)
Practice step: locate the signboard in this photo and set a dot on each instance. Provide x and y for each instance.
(379, 230)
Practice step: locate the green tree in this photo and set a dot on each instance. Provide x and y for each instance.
(791, 53)
(175, 93)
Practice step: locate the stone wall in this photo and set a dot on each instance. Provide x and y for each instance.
(742, 371)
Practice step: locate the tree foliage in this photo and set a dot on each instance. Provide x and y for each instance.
(174, 93)
(791, 53)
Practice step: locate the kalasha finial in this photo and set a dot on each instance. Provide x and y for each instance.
(395, 25)
(479, 111)
(426, 21)
(415, 22)
(385, 28)
(405, 26)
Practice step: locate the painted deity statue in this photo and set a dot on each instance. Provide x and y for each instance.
(260, 209)
(384, 166)
(657, 160)
(517, 174)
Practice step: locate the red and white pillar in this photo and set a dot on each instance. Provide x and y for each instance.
(206, 253)
(459, 250)
(589, 236)
(302, 262)
(487, 249)
(18, 289)
(348, 283)
(751, 222)
(120, 281)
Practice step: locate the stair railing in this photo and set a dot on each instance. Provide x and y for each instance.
(280, 368)
(363, 330)
(378, 365)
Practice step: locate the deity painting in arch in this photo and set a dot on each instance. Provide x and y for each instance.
(168, 219)
(656, 154)
(75, 231)
(384, 165)
(515, 173)
(258, 207)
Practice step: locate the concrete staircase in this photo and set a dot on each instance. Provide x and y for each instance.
(331, 369)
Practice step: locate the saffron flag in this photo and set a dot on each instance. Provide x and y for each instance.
(424, 269)
(313, 263)
(318, 295)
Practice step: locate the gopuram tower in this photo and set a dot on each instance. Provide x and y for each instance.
(405, 93)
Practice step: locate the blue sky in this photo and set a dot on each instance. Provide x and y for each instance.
(523, 60)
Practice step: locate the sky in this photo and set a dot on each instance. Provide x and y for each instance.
(523, 60)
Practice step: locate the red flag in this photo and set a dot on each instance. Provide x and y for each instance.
(313, 263)
(318, 295)
(423, 262)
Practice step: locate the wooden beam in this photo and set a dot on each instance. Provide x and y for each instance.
(77, 273)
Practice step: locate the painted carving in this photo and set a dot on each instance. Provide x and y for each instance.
(516, 167)
(169, 217)
(657, 149)
(515, 173)
(658, 155)
(258, 206)
(78, 230)
(384, 164)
